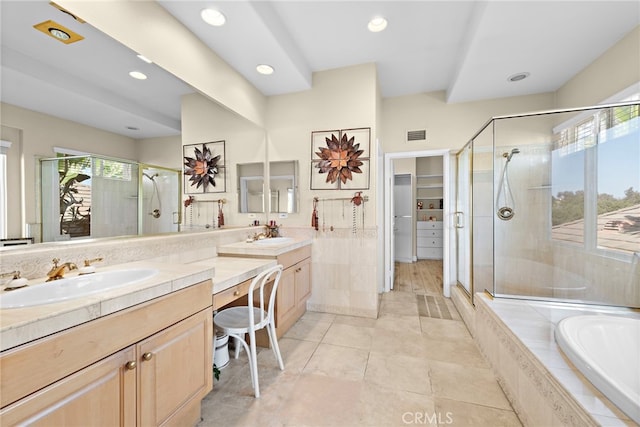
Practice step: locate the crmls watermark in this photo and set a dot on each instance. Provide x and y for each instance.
(435, 418)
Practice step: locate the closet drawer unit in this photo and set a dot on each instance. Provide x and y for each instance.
(429, 225)
(429, 242)
(432, 253)
(430, 232)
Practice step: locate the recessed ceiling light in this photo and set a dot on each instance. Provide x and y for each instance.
(265, 69)
(59, 34)
(213, 17)
(145, 59)
(138, 75)
(377, 24)
(518, 76)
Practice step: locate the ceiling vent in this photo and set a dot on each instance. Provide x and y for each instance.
(417, 135)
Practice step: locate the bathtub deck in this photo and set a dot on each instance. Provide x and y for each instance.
(517, 337)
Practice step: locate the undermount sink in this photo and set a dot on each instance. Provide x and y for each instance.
(73, 287)
(274, 241)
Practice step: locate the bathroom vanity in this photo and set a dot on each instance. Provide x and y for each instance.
(295, 283)
(144, 358)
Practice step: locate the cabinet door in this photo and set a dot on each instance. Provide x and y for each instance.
(303, 283)
(286, 296)
(101, 394)
(175, 369)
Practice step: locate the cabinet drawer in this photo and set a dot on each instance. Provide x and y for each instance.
(429, 225)
(229, 295)
(431, 253)
(429, 242)
(430, 232)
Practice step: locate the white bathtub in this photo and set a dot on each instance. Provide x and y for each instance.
(606, 349)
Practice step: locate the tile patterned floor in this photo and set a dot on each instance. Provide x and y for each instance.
(400, 369)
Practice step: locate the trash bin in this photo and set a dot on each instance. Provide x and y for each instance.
(221, 350)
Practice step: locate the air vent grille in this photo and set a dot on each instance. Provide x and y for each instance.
(417, 135)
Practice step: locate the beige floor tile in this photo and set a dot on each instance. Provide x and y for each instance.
(355, 321)
(322, 401)
(318, 317)
(399, 308)
(441, 329)
(308, 330)
(399, 372)
(394, 322)
(399, 343)
(462, 353)
(338, 362)
(295, 354)
(382, 406)
(349, 336)
(463, 414)
(215, 414)
(467, 384)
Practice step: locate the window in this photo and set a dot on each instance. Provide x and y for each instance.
(4, 147)
(596, 181)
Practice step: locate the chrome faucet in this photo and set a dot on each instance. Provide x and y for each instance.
(57, 271)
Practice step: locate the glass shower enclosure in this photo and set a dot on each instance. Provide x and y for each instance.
(92, 196)
(550, 205)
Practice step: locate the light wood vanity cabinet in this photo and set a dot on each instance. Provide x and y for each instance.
(293, 292)
(157, 369)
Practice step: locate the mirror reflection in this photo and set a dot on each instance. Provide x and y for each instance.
(92, 196)
(251, 187)
(283, 186)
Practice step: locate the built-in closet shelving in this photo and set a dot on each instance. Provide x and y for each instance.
(429, 207)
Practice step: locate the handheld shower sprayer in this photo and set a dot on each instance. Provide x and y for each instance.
(507, 210)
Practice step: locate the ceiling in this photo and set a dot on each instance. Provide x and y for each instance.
(466, 48)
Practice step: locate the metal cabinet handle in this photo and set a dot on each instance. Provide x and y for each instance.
(236, 293)
(131, 365)
(147, 356)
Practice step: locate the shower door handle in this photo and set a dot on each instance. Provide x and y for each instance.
(459, 216)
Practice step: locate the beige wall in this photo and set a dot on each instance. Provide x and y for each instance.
(615, 70)
(161, 151)
(447, 125)
(340, 99)
(205, 121)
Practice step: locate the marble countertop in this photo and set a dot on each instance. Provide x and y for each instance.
(21, 325)
(229, 271)
(257, 249)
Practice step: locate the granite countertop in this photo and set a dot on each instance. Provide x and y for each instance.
(21, 325)
(265, 250)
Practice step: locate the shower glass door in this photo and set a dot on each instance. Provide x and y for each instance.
(463, 219)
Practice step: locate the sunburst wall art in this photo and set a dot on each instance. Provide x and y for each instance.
(204, 170)
(340, 159)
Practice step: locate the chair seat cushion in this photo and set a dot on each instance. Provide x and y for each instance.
(236, 319)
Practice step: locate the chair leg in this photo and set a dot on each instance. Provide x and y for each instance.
(253, 364)
(254, 378)
(236, 346)
(273, 339)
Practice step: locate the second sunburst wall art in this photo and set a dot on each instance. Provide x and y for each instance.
(340, 159)
(204, 168)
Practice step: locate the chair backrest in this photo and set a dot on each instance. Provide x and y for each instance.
(266, 307)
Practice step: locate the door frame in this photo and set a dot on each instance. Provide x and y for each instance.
(388, 213)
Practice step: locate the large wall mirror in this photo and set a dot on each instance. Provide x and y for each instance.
(283, 186)
(250, 187)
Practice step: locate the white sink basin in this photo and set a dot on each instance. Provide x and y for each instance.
(73, 287)
(274, 241)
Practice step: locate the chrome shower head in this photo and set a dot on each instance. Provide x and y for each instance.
(510, 155)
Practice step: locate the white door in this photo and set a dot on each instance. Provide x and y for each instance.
(402, 219)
